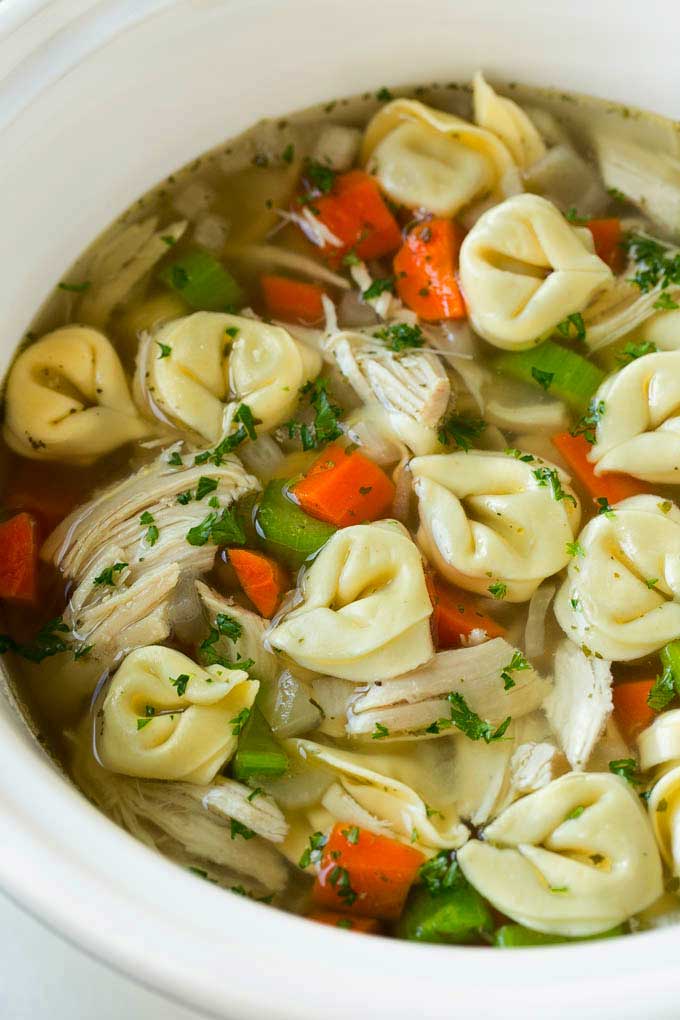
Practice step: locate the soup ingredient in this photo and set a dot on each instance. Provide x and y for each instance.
(631, 707)
(202, 281)
(368, 925)
(580, 702)
(292, 300)
(236, 634)
(199, 371)
(555, 869)
(67, 399)
(164, 717)
(659, 743)
(365, 609)
(429, 159)
(251, 809)
(663, 806)
(480, 517)
(575, 450)
(605, 603)
(648, 177)
(425, 269)
(448, 910)
(507, 120)
(524, 270)
(608, 240)
(261, 578)
(258, 753)
(19, 558)
(457, 618)
(287, 531)
(366, 874)
(557, 370)
(639, 432)
(343, 487)
(516, 936)
(355, 213)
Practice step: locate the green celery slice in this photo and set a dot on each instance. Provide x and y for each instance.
(285, 530)
(575, 379)
(202, 281)
(516, 936)
(457, 915)
(258, 753)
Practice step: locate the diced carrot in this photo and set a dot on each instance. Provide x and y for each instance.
(632, 712)
(292, 300)
(19, 558)
(456, 615)
(261, 578)
(49, 498)
(343, 488)
(425, 268)
(365, 874)
(356, 213)
(614, 487)
(370, 925)
(607, 235)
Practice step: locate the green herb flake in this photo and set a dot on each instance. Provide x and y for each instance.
(469, 723)
(549, 476)
(517, 663)
(575, 549)
(576, 813)
(383, 95)
(75, 288)
(440, 873)
(47, 642)
(526, 458)
(663, 691)
(399, 336)
(174, 460)
(108, 574)
(165, 350)
(257, 792)
(339, 878)
(288, 154)
(498, 590)
(632, 351)
(237, 828)
(239, 721)
(665, 302)
(205, 487)
(573, 327)
(380, 732)
(604, 507)
(228, 626)
(544, 379)
(223, 528)
(460, 430)
(351, 835)
(314, 852)
(326, 425)
(626, 768)
(378, 287)
(245, 416)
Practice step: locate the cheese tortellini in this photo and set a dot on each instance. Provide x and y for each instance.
(621, 597)
(488, 518)
(365, 610)
(427, 158)
(524, 269)
(198, 369)
(509, 121)
(659, 747)
(67, 399)
(574, 858)
(638, 431)
(164, 717)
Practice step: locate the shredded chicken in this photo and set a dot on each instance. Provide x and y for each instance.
(580, 702)
(254, 809)
(534, 765)
(250, 642)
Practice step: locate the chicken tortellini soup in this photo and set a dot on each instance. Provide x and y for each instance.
(340, 540)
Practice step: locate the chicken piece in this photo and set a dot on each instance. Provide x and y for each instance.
(534, 765)
(250, 642)
(580, 703)
(229, 799)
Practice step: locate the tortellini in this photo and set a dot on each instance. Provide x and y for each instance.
(524, 269)
(659, 747)
(574, 858)
(509, 121)
(621, 597)
(67, 399)
(365, 610)
(427, 158)
(196, 371)
(164, 717)
(660, 742)
(638, 431)
(488, 519)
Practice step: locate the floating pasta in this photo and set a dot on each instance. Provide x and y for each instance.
(427, 158)
(164, 717)
(660, 742)
(365, 610)
(574, 858)
(196, 371)
(638, 428)
(524, 270)
(507, 120)
(67, 399)
(493, 523)
(621, 597)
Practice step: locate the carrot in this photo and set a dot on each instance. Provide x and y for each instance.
(370, 925)
(261, 578)
(48, 498)
(425, 268)
(365, 874)
(356, 214)
(292, 300)
(632, 712)
(614, 487)
(344, 488)
(607, 235)
(19, 558)
(456, 615)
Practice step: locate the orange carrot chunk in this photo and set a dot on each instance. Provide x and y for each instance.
(344, 488)
(365, 874)
(632, 712)
(48, 499)
(456, 615)
(19, 558)
(261, 578)
(614, 487)
(292, 300)
(425, 269)
(356, 214)
(607, 235)
(370, 925)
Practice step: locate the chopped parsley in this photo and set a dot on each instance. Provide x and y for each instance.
(108, 574)
(47, 642)
(526, 458)
(210, 656)
(257, 792)
(82, 651)
(469, 723)
(399, 336)
(664, 690)
(572, 216)
(441, 872)
(651, 582)
(227, 445)
(75, 288)
(228, 626)
(549, 476)
(576, 813)
(379, 732)
(149, 713)
(174, 460)
(633, 351)
(460, 430)
(165, 350)
(205, 487)
(517, 663)
(180, 683)
(223, 528)
(239, 721)
(378, 287)
(351, 835)
(665, 302)
(384, 95)
(237, 828)
(588, 423)
(351, 259)
(288, 154)
(605, 508)
(152, 533)
(314, 852)
(573, 327)
(321, 177)
(575, 549)
(325, 427)
(626, 768)
(340, 880)
(543, 379)
(654, 265)
(245, 416)
(498, 590)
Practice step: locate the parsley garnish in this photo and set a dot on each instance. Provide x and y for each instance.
(498, 590)
(665, 302)
(588, 423)
(460, 430)
(576, 813)
(351, 259)
(314, 852)
(384, 95)
(441, 872)
(257, 792)
(228, 626)
(526, 458)
(378, 287)
(604, 506)
(75, 288)
(245, 416)
(107, 575)
(399, 336)
(575, 549)
(204, 487)
(654, 265)
(321, 177)
(152, 532)
(325, 427)
(174, 460)
(339, 879)
(469, 723)
(47, 642)
(517, 663)
(239, 721)
(209, 655)
(231, 442)
(351, 835)
(149, 713)
(82, 651)
(549, 476)
(237, 828)
(166, 351)
(180, 683)
(663, 691)
(288, 153)
(572, 216)
(379, 732)
(573, 327)
(543, 379)
(224, 528)
(626, 768)
(633, 351)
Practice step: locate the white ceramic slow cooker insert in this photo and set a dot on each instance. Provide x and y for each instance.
(99, 101)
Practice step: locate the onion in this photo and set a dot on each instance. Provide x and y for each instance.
(287, 707)
(194, 199)
(534, 633)
(403, 481)
(370, 428)
(211, 231)
(354, 313)
(186, 615)
(337, 147)
(263, 457)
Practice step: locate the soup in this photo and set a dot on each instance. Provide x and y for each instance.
(339, 542)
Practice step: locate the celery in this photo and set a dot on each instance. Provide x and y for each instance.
(456, 914)
(258, 753)
(516, 936)
(557, 370)
(285, 530)
(202, 281)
